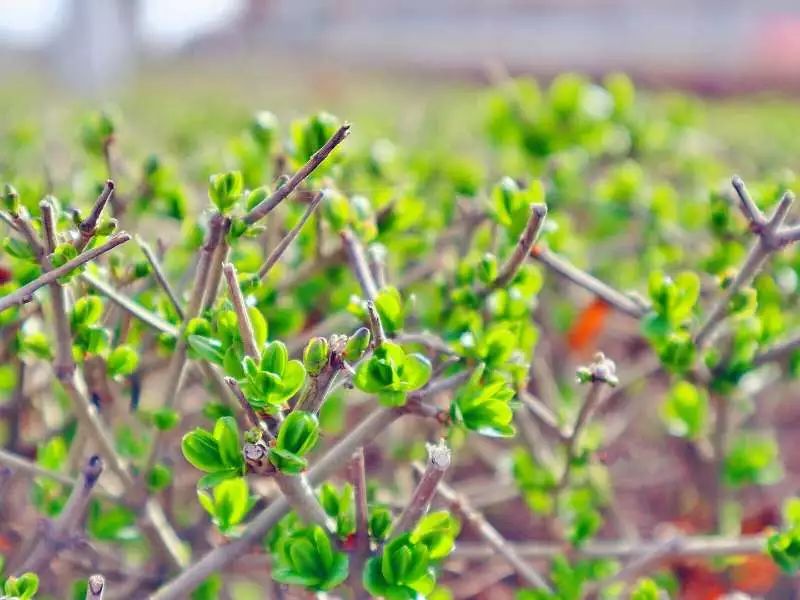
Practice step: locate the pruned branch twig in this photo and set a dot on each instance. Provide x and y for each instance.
(438, 463)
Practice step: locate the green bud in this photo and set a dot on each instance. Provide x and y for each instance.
(299, 433)
(357, 344)
(238, 228)
(224, 189)
(107, 227)
(255, 197)
(315, 355)
(10, 199)
(141, 269)
(151, 166)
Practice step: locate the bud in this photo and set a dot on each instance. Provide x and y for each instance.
(357, 345)
(224, 189)
(256, 197)
(238, 228)
(315, 356)
(107, 227)
(275, 358)
(10, 199)
(299, 433)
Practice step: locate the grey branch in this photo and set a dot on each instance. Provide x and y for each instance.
(628, 305)
(523, 248)
(239, 306)
(263, 208)
(24, 293)
(161, 278)
(359, 264)
(438, 463)
(88, 226)
(287, 239)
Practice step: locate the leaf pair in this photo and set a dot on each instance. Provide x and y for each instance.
(306, 557)
(218, 453)
(391, 373)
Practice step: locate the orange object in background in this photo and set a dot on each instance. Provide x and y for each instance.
(5, 275)
(588, 326)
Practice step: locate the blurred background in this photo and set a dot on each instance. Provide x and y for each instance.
(97, 47)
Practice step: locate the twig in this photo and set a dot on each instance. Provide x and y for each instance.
(58, 534)
(95, 587)
(542, 412)
(378, 335)
(635, 308)
(239, 306)
(694, 546)
(600, 373)
(358, 262)
(161, 278)
(219, 257)
(771, 237)
(287, 239)
(339, 454)
(88, 227)
(358, 478)
(438, 463)
(252, 417)
(462, 508)
(523, 248)
(24, 293)
(18, 463)
(265, 206)
(129, 305)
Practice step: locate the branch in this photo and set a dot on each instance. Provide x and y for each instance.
(777, 352)
(459, 505)
(59, 533)
(252, 417)
(161, 278)
(24, 293)
(378, 334)
(771, 238)
(542, 412)
(358, 478)
(523, 247)
(88, 227)
(239, 306)
(438, 463)
(264, 207)
(287, 239)
(358, 262)
(695, 546)
(635, 308)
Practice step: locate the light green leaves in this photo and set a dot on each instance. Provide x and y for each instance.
(218, 453)
(228, 503)
(268, 385)
(225, 189)
(357, 344)
(390, 373)
(23, 587)
(306, 557)
(339, 506)
(315, 355)
(482, 405)
(685, 411)
(389, 305)
(752, 460)
(784, 546)
(123, 360)
(297, 436)
(510, 206)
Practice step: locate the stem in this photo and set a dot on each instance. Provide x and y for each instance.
(88, 226)
(695, 546)
(378, 334)
(252, 417)
(523, 247)
(622, 302)
(542, 412)
(438, 463)
(239, 306)
(24, 293)
(584, 414)
(265, 206)
(358, 262)
(129, 305)
(161, 278)
(491, 536)
(18, 463)
(287, 239)
(358, 478)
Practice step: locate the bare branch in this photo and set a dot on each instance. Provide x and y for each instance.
(625, 304)
(24, 293)
(88, 226)
(523, 248)
(287, 239)
(95, 587)
(749, 209)
(358, 262)
(438, 463)
(378, 334)
(161, 278)
(239, 306)
(263, 208)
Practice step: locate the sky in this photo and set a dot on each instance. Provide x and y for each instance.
(164, 23)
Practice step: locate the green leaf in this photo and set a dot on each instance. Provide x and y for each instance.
(165, 419)
(259, 324)
(123, 360)
(224, 189)
(226, 434)
(274, 358)
(86, 311)
(159, 477)
(207, 348)
(202, 451)
(685, 411)
(389, 305)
